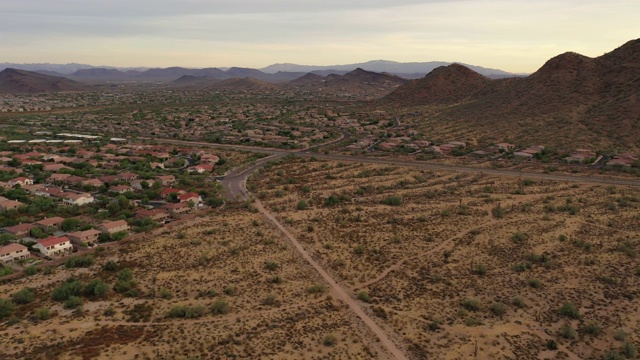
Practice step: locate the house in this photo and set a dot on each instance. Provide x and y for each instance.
(178, 209)
(112, 227)
(166, 180)
(76, 199)
(50, 224)
(58, 178)
(137, 184)
(128, 176)
(168, 191)
(193, 197)
(121, 189)
(157, 215)
(109, 179)
(92, 182)
(623, 160)
(52, 191)
(84, 237)
(10, 205)
(157, 165)
(200, 169)
(20, 181)
(19, 231)
(54, 245)
(12, 252)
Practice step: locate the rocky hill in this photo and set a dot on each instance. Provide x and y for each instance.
(22, 81)
(572, 100)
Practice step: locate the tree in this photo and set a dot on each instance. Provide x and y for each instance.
(70, 224)
(6, 238)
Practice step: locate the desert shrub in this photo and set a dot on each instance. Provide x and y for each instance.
(521, 267)
(592, 328)
(270, 300)
(629, 350)
(110, 266)
(518, 302)
(229, 290)
(569, 310)
(620, 335)
(79, 261)
(364, 296)
(392, 201)
(219, 307)
(563, 238)
(5, 270)
(30, 270)
(96, 289)
(479, 269)
(472, 321)
(329, 340)
(73, 302)
(358, 250)
(48, 270)
(42, 314)
(567, 332)
(535, 283)
(498, 212)
(302, 205)
(165, 293)
(498, 309)
(110, 311)
(519, 237)
(551, 345)
(528, 182)
(71, 287)
(471, 304)
(23, 296)
(187, 312)
(277, 279)
(317, 289)
(613, 355)
(271, 265)
(6, 308)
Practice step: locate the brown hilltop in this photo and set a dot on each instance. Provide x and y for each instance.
(358, 81)
(572, 100)
(244, 84)
(22, 81)
(445, 84)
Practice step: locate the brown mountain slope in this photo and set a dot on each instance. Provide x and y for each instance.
(571, 101)
(244, 84)
(445, 84)
(357, 82)
(22, 81)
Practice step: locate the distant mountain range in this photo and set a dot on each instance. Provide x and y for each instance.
(22, 81)
(276, 73)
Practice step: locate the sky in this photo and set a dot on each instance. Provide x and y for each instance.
(511, 35)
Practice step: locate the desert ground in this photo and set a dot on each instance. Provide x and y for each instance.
(451, 265)
(465, 265)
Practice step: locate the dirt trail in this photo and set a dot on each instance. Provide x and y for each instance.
(385, 341)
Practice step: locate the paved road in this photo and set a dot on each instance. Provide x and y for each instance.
(419, 164)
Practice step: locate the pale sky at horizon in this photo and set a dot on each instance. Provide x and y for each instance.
(511, 35)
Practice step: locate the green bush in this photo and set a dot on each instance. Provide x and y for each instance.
(392, 201)
(187, 312)
(567, 332)
(6, 308)
(498, 309)
(71, 287)
(519, 237)
(271, 265)
(569, 310)
(535, 283)
(30, 270)
(364, 296)
(479, 269)
(317, 289)
(471, 304)
(613, 355)
(302, 205)
(5, 270)
(96, 289)
(23, 296)
(165, 293)
(592, 328)
(329, 340)
(629, 350)
(220, 306)
(518, 302)
(79, 261)
(270, 300)
(73, 302)
(42, 313)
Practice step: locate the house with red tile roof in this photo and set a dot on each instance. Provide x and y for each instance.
(178, 209)
(12, 252)
(166, 192)
(166, 180)
(20, 231)
(54, 245)
(58, 178)
(157, 215)
(193, 197)
(10, 205)
(50, 224)
(20, 181)
(69, 198)
(201, 169)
